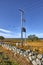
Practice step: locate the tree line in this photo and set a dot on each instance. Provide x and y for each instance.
(33, 37)
(30, 37)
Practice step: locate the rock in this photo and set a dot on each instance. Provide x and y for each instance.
(33, 57)
(39, 56)
(38, 61)
(34, 62)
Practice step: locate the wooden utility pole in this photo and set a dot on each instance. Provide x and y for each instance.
(22, 29)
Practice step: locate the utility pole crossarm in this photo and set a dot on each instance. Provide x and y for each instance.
(21, 10)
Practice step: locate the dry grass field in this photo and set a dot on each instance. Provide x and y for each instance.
(36, 45)
(17, 59)
(28, 45)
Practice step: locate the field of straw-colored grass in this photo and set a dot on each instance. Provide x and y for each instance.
(36, 45)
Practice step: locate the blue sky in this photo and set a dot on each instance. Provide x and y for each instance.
(10, 17)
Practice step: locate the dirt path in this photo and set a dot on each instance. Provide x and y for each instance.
(21, 60)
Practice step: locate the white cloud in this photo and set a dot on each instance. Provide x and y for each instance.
(40, 35)
(18, 35)
(6, 31)
(10, 35)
